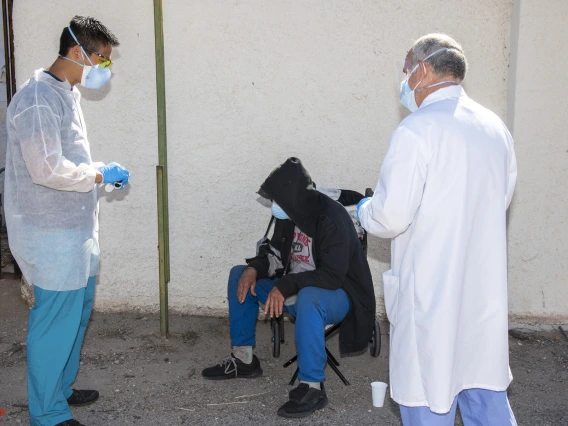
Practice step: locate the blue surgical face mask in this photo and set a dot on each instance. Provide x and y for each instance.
(277, 212)
(94, 77)
(406, 94)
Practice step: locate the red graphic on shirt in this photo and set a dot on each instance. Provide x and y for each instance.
(301, 248)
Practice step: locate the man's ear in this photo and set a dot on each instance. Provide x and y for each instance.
(427, 70)
(422, 69)
(76, 53)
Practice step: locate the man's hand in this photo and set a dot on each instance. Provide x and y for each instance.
(246, 283)
(274, 303)
(114, 172)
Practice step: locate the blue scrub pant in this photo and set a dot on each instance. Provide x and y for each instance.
(56, 327)
(478, 407)
(314, 309)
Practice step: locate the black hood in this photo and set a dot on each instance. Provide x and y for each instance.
(291, 186)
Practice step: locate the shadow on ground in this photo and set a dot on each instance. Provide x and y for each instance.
(147, 380)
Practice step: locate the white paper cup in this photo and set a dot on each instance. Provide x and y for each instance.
(379, 390)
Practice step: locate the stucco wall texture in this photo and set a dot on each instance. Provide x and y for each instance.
(121, 123)
(250, 83)
(538, 226)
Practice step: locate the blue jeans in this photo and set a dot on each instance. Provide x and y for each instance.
(314, 309)
(56, 328)
(478, 407)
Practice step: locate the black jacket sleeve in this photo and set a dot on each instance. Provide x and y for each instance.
(332, 262)
(349, 198)
(260, 265)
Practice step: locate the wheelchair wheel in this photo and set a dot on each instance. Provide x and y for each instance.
(375, 343)
(275, 338)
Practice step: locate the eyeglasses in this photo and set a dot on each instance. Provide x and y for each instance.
(106, 62)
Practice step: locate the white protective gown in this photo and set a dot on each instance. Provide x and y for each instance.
(50, 192)
(444, 188)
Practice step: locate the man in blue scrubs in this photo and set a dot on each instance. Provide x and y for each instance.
(51, 192)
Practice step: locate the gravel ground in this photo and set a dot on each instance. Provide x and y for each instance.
(145, 379)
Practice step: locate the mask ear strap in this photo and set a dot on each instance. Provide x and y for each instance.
(77, 41)
(71, 60)
(415, 68)
(87, 56)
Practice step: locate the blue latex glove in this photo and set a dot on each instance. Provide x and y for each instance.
(363, 201)
(114, 172)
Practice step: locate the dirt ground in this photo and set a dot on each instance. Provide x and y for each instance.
(145, 379)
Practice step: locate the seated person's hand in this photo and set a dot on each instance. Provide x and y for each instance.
(246, 283)
(274, 303)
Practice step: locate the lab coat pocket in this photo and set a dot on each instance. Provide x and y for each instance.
(391, 296)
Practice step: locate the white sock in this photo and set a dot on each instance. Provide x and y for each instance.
(315, 385)
(244, 353)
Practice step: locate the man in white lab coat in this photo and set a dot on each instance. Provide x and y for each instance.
(443, 191)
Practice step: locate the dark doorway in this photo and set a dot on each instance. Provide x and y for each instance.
(7, 90)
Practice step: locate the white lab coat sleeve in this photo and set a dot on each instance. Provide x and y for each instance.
(511, 178)
(401, 184)
(39, 132)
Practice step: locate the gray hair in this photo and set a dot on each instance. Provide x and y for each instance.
(448, 62)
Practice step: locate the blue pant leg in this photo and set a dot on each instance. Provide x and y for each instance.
(422, 416)
(52, 330)
(314, 309)
(482, 407)
(72, 366)
(242, 316)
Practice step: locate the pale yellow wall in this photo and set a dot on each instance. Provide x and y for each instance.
(121, 123)
(252, 82)
(538, 227)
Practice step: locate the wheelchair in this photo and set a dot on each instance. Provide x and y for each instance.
(348, 199)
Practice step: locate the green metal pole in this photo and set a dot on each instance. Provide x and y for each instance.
(164, 326)
(162, 169)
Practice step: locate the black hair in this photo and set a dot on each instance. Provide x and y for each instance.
(90, 33)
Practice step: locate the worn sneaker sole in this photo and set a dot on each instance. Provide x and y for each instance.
(253, 375)
(321, 405)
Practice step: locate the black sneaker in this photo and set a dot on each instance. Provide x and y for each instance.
(70, 422)
(304, 400)
(80, 398)
(232, 368)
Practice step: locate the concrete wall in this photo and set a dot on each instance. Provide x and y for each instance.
(121, 122)
(250, 83)
(538, 227)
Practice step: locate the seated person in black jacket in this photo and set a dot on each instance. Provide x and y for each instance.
(314, 268)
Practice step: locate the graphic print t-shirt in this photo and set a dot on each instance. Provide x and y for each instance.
(301, 256)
